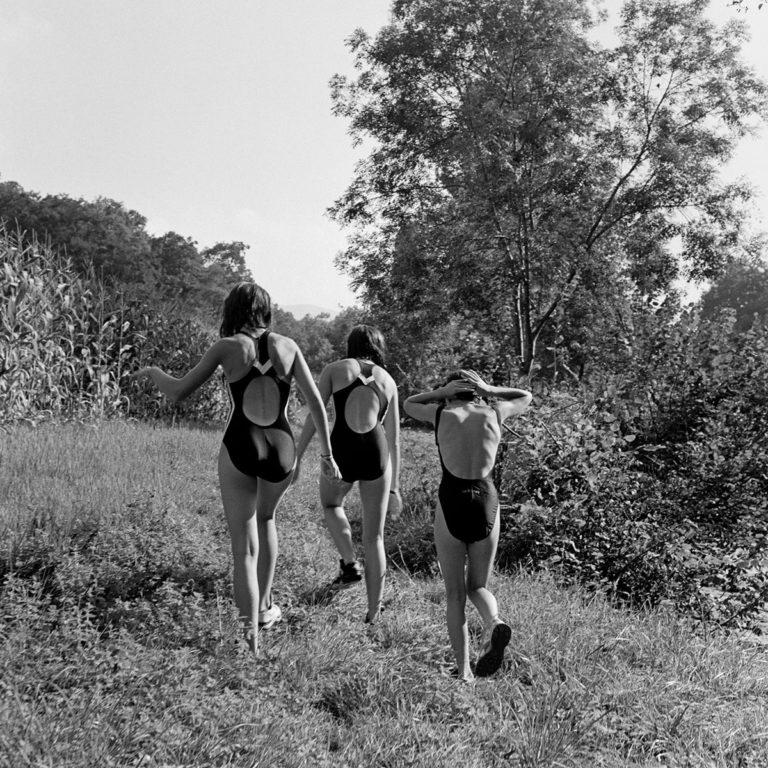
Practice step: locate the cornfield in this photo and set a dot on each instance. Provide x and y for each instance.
(68, 345)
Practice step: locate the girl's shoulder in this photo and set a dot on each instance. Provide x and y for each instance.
(281, 344)
(384, 380)
(342, 364)
(236, 344)
(342, 372)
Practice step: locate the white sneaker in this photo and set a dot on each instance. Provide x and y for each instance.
(269, 617)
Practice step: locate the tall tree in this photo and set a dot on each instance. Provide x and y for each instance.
(225, 263)
(102, 234)
(742, 288)
(517, 161)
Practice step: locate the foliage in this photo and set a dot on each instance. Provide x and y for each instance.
(517, 163)
(744, 288)
(63, 351)
(102, 235)
(653, 487)
(166, 273)
(321, 339)
(68, 345)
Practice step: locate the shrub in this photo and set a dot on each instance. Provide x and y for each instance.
(653, 487)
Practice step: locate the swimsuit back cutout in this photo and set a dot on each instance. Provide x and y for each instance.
(358, 439)
(362, 389)
(469, 506)
(258, 437)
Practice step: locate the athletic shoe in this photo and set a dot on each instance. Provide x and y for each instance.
(269, 617)
(491, 660)
(349, 573)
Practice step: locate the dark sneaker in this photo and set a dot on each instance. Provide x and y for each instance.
(349, 573)
(491, 660)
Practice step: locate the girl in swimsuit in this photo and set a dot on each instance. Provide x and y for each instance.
(467, 433)
(257, 454)
(366, 445)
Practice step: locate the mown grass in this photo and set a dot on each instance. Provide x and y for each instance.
(119, 645)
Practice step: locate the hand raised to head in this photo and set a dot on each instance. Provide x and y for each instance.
(457, 387)
(475, 380)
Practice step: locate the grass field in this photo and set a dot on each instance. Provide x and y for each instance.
(119, 644)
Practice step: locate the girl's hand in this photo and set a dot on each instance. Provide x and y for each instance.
(476, 381)
(329, 468)
(457, 386)
(394, 505)
(143, 373)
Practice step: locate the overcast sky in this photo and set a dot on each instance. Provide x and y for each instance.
(211, 118)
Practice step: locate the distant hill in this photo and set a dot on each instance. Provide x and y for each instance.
(299, 310)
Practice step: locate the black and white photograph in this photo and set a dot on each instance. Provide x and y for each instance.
(384, 384)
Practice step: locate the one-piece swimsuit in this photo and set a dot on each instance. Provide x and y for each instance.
(262, 450)
(469, 506)
(359, 456)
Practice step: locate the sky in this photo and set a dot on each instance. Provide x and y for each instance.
(212, 118)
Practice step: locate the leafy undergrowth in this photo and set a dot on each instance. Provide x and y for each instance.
(119, 646)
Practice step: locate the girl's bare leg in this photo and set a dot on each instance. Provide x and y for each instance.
(374, 495)
(332, 493)
(239, 495)
(452, 554)
(267, 499)
(480, 564)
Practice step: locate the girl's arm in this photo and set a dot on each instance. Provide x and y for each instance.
(308, 430)
(177, 389)
(317, 411)
(392, 431)
(510, 400)
(424, 405)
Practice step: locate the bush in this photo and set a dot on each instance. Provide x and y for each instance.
(653, 487)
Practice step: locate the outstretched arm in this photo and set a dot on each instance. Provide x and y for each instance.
(177, 389)
(318, 416)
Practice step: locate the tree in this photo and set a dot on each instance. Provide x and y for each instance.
(743, 288)
(517, 162)
(178, 264)
(225, 263)
(103, 234)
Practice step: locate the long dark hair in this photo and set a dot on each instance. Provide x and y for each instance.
(366, 341)
(248, 304)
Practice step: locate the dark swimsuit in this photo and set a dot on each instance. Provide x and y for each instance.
(264, 451)
(469, 506)
(359, 456)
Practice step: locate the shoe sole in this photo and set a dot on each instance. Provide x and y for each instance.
(490, 661)
(345, 584)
